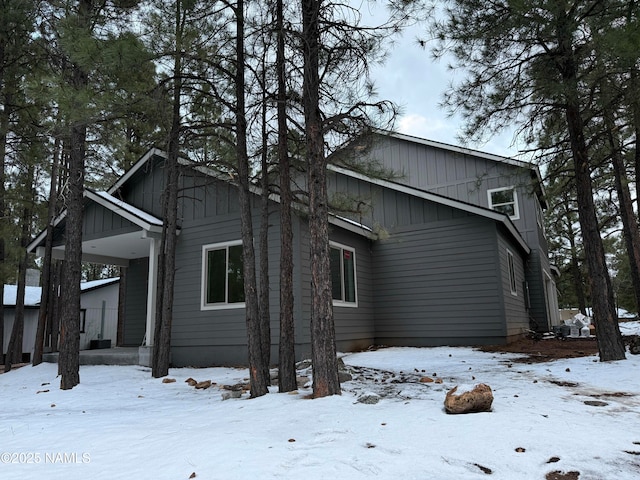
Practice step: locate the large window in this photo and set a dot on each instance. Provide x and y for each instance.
(504, 200)
(512, 273)
(222, 276)
(343, 275)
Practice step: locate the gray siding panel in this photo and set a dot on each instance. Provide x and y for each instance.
(517, 318)
(437, 284)
(99, 222)
(135, 307)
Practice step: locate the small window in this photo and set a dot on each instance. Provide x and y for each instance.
(540, 217)
(343, 275)
(222, 276)
(512, 273)
(504, 200)
(83, 320)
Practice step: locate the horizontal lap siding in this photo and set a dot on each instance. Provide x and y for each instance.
(438, 283)
(517, 317)
(205, 337)
(354, 326)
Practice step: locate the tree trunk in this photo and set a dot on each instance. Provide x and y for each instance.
(286, 349)
(627, 215)
(258, 372)
(264, 304)
(323, 348)
(610, 343)
(164, 314)
(69, 357)
(45, 299)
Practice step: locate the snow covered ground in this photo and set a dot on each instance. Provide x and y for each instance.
(120, 423)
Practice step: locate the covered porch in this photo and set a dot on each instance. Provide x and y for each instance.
(116, 233)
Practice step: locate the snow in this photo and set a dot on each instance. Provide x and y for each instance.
(31, 295)
(122, 423)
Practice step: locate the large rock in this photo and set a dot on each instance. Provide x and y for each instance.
(477, 400)
(634, 346)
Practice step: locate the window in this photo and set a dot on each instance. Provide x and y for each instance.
(540, 217)
(512, 273)
(83, 320)
(222, 276)
(504, 200)
(343, 275)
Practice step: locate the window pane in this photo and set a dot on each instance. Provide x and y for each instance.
(336, 276)
(502, 196)
(235, 275)
(349, 276)
(216, 276)
(508, 209)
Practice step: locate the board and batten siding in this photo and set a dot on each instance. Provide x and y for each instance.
(135, 306)
(439, 284)
(99, 222)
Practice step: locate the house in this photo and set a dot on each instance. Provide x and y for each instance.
(452, 252)
(99, 313)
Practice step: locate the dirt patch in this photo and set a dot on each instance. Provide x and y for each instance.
(548, 349)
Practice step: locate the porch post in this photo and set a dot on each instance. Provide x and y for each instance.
(145, 352)
(151, 291)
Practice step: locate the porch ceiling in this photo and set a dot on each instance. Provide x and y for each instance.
(113, 250)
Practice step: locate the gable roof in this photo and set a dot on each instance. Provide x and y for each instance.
(439, 199)
(535, 171)
(129, 212)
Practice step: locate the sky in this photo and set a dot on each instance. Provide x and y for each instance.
(417, 83)
(574, 415)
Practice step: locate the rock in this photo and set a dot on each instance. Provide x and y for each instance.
(302, 381)
(477, 400)
(426, 380)
(303, 364)
(369, 399)
(203, 385)
(231, 394)
(191, 381)
(634, 346)
(168, 380)
(344, 376)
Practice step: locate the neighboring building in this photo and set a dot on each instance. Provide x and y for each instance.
(452, 253)
(98, 320)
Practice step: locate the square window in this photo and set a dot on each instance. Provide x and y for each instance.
(222, 276)
(504, 200)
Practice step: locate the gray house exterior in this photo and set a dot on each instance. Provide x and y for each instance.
(425, 261)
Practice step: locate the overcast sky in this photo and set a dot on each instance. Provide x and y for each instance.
(415, 82)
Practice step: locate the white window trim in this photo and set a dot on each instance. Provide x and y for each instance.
(203, 280)
(342, 303)
(511, 270)
(516, 209)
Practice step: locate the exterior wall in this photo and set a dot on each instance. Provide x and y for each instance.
(439, 284)
(209, 215)
(30, 326)
(99, 222)
(135, 305)
(354, 325)
(515, 310)
(144, 188)
(91, 302)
